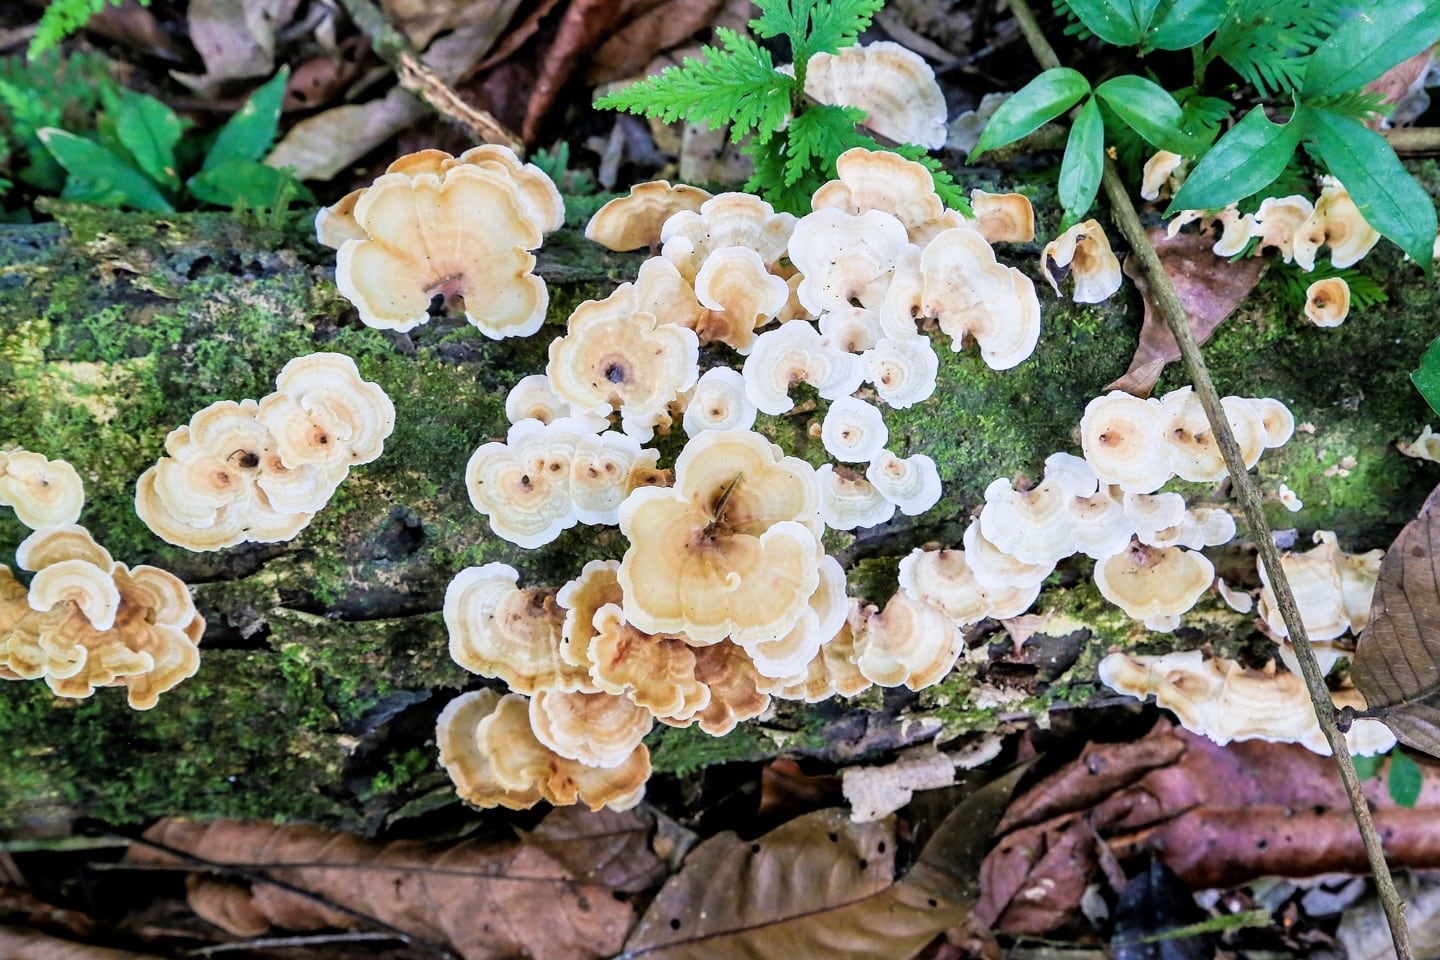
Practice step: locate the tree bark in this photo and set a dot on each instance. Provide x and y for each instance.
(324, 660)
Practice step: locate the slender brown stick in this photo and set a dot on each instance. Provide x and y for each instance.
(1414, 141)
(1167, 302)
(392, 47)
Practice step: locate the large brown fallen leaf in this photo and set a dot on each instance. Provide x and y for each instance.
(820, 886)
(1217, 816)
(483, 900)
(18, 944)
(236, 40)
(1397, 657)
(1209, 287)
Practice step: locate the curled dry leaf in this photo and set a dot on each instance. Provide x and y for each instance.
(467, 895)
(20, 944)
(236, 40)
(1397, 657)
(820, 886)
(1209, 287)
(1217, 816)
(877, 792)
(643, 29)
(606, 847)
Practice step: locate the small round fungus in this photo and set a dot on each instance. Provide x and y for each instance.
(1082, 253)
(1327, 302)
(725, 220)
(718, 402)
(853, 431)
(848, 500)
(893, 85)
(43, 493)
(523, 484)
(912, 483)
(532, 398)
(903, 371)
(852, 329)
(634, 221)
(1003, 217)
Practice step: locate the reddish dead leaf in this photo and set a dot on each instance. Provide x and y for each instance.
(1209, 287)
(483, 900)
(584, 26)
(643, 29)
(786, 791)
(1397, 657)
(138, 28)
(1394, 84)
(236, 40)
(1217, 816)
(18, 944)
(317, 81)
(609, 848)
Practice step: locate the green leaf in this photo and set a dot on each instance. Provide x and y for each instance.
(149, 130)
(1405, 779)
(248, 134)
(1245, 160)
(1427, 376)
(1388, 197)
(1180, 24)
(241, 182)
(1148, 109)
(1384, 33)
(1038, 102)
(738, 86)
(1366, 767)
(1084, 160)
(98, 176)
(1111, 21)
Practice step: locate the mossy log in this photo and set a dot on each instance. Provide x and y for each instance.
(325, 662)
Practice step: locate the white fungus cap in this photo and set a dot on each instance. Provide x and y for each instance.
(903, 371)
(848, 500)
(718, 402)
(792, 353)
(912, 483)
(853, 431)
(845, 259)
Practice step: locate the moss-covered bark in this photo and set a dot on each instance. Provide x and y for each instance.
(325, 658)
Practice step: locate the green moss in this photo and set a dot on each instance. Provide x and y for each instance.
(682, 750)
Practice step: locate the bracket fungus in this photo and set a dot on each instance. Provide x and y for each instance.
(87, 621)
(1154, 584)
(634, 221)
(893, 85)
(43, 492)
(1336, 222)
(848, 500)
(911, 483)
(1082, 253)
(881, 180)
(795, 352)
(464, 229)
(1327, 302)
(853, 431)
(718, 402)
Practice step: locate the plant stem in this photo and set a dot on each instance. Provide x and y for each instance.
(414, 75)
(1167, 302)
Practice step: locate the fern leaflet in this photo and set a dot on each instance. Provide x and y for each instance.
(817, 137)
(1269, 42)
(738, 85)
(63, 18)
(813, 27)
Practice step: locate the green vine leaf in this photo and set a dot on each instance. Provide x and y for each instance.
(250, 131)
(1181, 24)
(736, 85)
(1427, 376)
(1361, 49)
(1405, 779)
(149, 131)
(1388, 197)
(1245, 160)
(1084, 161)
(1038, 102)
(1113, 22)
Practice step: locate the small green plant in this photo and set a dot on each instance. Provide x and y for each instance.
(136, 153)
(63, 18)
(793, 140)
(1403, 777)
(1304, 64)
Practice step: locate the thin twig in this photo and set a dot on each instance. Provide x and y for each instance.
(1167, 302)
(263, 943)
(1414, 141)
(392, 47)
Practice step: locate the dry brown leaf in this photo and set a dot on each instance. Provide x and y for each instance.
(643, 29)
(787, 791)
(483, 900)
(1397, 83)
(1217, 816)
(608, 848)
(1397, 657)
(422, 20)
(138, 28)
(235, 40)
(320, 79)
(582, 27)
(1366, 935)
(321, 146)
(819, 886)
(18, 944)
(1209, 287)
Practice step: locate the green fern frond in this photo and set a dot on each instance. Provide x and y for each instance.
(1269, 42)
(1073, 26)
(738, 85)
(63, 18)
(1358, 105)
(1201, 117)
(817, 137)
(823, 27)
